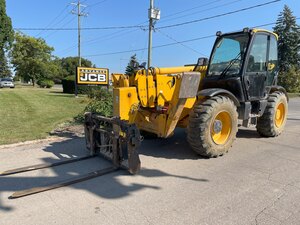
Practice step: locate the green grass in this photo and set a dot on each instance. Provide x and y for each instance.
(31, 113)
(293, 95)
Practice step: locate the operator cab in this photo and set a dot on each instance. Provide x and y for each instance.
(243, 63)
(240, 84)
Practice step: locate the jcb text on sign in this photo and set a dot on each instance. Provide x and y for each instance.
(92, 76)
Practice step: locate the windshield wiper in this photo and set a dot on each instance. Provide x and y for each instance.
(224, 72)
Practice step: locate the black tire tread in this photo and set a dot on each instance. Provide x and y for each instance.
(198, 122)
(265, 124)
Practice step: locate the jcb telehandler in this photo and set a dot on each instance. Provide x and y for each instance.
(236, 86)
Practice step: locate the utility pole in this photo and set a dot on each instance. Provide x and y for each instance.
(79, 13)
(153, 14)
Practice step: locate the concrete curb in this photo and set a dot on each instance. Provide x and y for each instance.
(48, 139)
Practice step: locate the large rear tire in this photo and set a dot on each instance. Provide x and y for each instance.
(213, 124)
(273, 121)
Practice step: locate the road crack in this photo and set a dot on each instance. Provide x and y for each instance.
(269, 206)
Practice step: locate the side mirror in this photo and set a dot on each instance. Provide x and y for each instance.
(271, 66)
(143, 65)
(202, 61)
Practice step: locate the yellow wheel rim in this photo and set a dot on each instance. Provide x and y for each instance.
(221, 128)
(279, 115)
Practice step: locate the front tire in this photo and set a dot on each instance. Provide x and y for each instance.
(272, 122)
(212, 126)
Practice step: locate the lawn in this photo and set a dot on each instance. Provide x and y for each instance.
(293, 95)
(31, 113)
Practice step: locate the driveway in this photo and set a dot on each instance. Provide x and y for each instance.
(257, 182)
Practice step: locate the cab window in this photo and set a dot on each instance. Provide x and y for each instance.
(273, 61)
(258, 54)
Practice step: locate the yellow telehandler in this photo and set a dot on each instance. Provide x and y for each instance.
(237, 83)
(236, 86)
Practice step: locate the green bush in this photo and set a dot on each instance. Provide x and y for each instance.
(45, 83)
(101, 102)
(69, 86)
(290, 79)
(16, 78)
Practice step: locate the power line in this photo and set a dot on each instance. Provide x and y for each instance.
(170, 44)
(83, 28)
(110, 36)
(62, 11)
(268, 24)
(92, 41)
(62, 19)
(143, 27)
(162, 27)
(157, 46)
(49, 29)
(190, 9)
(204, 10)
(173, 39)
(102, 38)
(219, 15)
(97, 3)
(65, 24)
(105, 37)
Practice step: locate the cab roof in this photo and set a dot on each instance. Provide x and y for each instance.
(255, 30)
(249, 30)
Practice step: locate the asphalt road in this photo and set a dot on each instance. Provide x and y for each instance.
(257, 182)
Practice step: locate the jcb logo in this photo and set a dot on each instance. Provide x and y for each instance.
(92, 76)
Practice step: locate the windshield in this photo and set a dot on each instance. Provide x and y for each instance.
(229, 54)
(5, 79)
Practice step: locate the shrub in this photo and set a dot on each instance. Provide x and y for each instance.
(69, 86)
(290, 79)
(101, 102)
(16, 78)
(45, 83)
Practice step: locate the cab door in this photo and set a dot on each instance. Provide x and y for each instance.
(272, 65)
(255, 75)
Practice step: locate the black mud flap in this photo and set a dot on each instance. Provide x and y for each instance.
(114, 139)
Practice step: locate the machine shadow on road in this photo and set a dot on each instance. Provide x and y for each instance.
(175, 147)
(108, 186)
(293, 119)
(248, 133)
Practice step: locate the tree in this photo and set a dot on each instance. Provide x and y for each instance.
(289, 39)
(290, 79)
(31, 58)
(4, 68)
(288, 50)
(6, 39)
(132, 65)
(69, 65)
(55, 71)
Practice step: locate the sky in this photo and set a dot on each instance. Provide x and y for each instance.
(176, 45)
